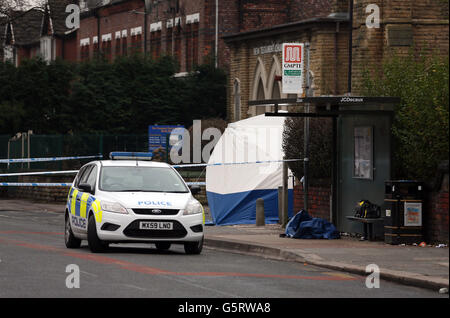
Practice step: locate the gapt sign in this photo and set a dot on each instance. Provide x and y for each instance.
(292, 82)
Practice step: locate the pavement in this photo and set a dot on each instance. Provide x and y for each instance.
(426, 267)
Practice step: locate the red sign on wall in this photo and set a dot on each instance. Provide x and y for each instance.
(292, 80)
(292, 53)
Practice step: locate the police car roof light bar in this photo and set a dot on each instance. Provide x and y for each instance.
(118, 155)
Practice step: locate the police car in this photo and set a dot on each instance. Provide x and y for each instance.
(132, 199)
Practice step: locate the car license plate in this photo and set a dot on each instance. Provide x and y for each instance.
(155, 225)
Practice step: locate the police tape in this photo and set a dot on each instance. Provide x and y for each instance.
(175, 166)
(19, 184)
(233, 163)
(38, 173)
(48, 159)
(32, 184)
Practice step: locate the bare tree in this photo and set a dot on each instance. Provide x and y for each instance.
(7, 7)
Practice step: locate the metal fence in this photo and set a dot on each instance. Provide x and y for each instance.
(62, 146)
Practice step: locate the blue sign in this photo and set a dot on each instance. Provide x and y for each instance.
(157, 135)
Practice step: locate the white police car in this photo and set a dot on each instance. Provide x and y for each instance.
(128, 199)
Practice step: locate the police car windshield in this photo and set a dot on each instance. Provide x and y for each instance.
(143, 179)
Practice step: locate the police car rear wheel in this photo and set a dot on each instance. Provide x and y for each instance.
(163, 246)
(70, 240)
(95, 244)
(193, 247)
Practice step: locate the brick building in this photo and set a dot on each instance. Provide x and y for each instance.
(22, 36)
(190, 30)
(404, 24)
(39, 32)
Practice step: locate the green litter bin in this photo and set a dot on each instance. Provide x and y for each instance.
(403, 217)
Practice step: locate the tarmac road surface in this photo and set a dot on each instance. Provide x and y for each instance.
(34, 262)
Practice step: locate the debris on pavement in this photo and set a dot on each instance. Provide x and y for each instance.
(443, 291)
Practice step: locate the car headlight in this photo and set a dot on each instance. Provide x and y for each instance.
(193, 207)
(115, 207)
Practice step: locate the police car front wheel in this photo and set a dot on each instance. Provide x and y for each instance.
(193, 247)
(95, 244)
(70, 240)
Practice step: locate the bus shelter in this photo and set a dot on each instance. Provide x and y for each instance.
(361, 152)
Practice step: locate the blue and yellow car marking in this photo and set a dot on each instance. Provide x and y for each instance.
(79, 204)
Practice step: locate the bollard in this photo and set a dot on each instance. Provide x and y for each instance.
(280, 205)
(260, 217)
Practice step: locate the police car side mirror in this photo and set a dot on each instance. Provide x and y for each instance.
(195, 189)
(86, 187)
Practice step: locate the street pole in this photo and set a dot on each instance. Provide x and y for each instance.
(350, 48)
(285, 194)
(306, 135)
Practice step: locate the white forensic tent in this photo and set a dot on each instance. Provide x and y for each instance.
(235, 181)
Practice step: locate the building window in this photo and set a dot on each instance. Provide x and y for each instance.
(84, 49)
(84, 53)
(8, 54)
(155, 44)
(188, 39)
(136, 40)
(363, 152)
(136, 43)
(191, 37)
(46, 48)
(195, 44)
(118, 48)
(169, 37)
(96, 47)
(124, 46)
(106, 48)
(177, 48)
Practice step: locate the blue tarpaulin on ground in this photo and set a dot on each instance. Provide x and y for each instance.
(303, 226)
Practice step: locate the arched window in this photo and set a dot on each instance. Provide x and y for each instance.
(260, 96)
(276, 90)
(259, 88)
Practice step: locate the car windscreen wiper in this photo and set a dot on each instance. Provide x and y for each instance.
(176, 191)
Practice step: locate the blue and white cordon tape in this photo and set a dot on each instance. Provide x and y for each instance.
(32, 184)
(47, 159)
(231, 163)
(38, 173)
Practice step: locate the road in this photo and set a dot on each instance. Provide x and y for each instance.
(34, 260)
